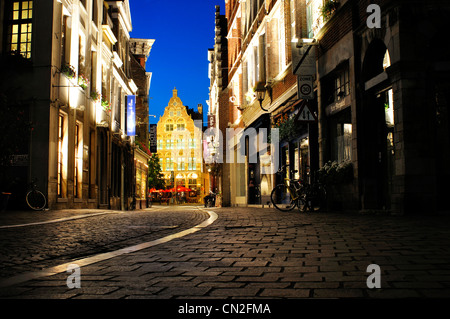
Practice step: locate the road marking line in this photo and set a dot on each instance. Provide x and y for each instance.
(69, 218)
(104, 256)
(57, 220)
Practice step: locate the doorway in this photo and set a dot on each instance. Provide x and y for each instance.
(377, 149)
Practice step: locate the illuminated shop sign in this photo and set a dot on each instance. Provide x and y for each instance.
(131, 115)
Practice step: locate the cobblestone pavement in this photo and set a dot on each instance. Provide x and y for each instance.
(245, 253)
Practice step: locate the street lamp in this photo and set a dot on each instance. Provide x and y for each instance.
(260, 91)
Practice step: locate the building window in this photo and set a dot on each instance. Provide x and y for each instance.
(191, 163)
(341, 136)
(180, 143)
(78, 169)
(180, 164)
(192, 143)
(169, 126)
(62, 156)
(81, 54)
(169, 164)
(95, 11)
(314, 20)
(180, 127)
(159, 144)
(292, 18)
(64, 40)
(336, 86)
(20, 28)
(281, 43)
(169, 144)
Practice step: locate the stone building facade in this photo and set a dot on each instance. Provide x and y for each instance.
(78, 74)
(391, 119)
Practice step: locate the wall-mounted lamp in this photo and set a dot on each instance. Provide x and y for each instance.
(260, 91)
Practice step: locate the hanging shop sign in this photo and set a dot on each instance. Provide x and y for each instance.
(131, 115)
(153, 138)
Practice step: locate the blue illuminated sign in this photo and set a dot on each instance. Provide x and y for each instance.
(131, 115)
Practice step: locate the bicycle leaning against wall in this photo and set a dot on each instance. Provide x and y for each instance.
(295, 192)
(35, 199)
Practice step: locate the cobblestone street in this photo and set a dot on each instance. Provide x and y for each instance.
(245, 253)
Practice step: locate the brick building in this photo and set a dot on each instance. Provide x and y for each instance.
(379, 92)
(260, 34)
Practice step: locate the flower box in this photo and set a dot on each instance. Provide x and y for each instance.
(68, 71)
(95, 96)
(106, 105)
(83, 81)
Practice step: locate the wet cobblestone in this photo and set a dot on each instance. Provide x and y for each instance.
(245, 253)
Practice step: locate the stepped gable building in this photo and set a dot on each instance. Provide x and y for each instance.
(179, 144)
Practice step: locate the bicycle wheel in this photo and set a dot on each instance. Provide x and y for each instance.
(281, 198)
(317, 199)
(36, 200)
(301, 204)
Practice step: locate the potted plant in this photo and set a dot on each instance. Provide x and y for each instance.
(68, 71)
(287, 127)
(328, 8)
(106, 105)
(83, 81)
(95, 96)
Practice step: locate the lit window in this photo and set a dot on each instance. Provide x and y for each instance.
(191, 164)
(20, 28)
(78, 169)
(62, 156)
(180, 164)
(169, 164)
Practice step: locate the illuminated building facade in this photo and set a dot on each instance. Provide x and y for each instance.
(179, 144)
(260, 35)
(378, 84)
(76, 79)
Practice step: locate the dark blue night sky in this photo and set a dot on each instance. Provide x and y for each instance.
(183, 33)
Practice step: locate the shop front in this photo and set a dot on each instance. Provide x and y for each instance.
(298, 140)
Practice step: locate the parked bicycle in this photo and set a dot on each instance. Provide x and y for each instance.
(210, 200)
(295, 192)
(132, 205)
(35, 199)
